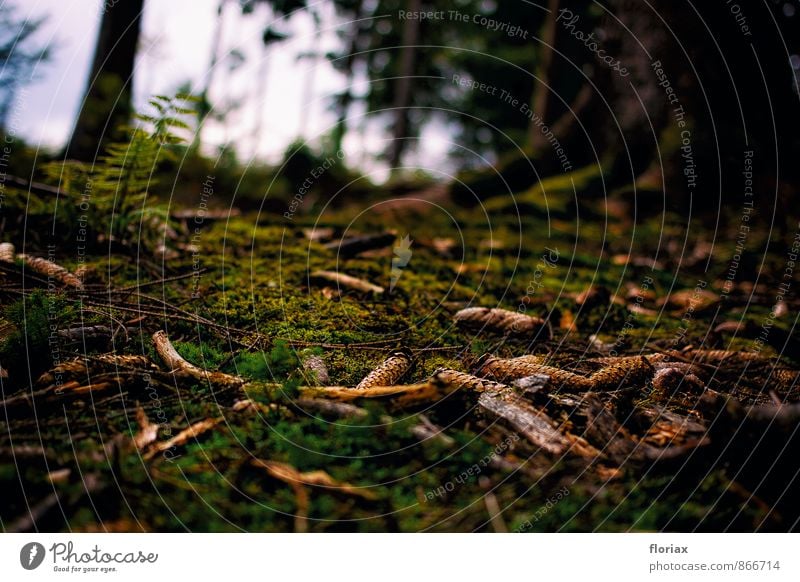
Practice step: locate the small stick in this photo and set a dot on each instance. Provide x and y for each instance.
(178, 365)
(348, 282)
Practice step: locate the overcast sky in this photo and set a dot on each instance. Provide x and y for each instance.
(176, 47)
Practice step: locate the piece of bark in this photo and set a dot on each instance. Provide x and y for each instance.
(722, 356)
(532, 384)
(388, 372)
(180, 366)
(502, 321)
(604, 432)
(347, 282)
(350, 247)
(330, 408)
(427, 430)
(669, 380)
(91, 332)
(533, 424)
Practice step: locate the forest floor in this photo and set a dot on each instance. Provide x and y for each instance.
(124, 445)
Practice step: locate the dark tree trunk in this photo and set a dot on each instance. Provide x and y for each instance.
(543, 86)
(345, 100)
(402, 99)
(107, 101)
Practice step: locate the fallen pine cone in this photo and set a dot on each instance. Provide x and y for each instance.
(697, 300)
(50, 269)
(7, 252)
(389, 371)
(506, 370)
(462, 380)
(502, 321)
(315, 366)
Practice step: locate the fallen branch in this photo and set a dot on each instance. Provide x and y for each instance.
(330, 408)
(182, 437)
(180, 366)
(299, 482)
(92, 332)
(347, 282)
(288, 474)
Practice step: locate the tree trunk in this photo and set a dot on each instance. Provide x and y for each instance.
(541, 90)
(346, 98)
(404, 83)
(107, 102)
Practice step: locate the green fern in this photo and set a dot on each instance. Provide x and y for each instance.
(117, 187)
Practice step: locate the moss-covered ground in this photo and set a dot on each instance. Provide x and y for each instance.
(65, 461)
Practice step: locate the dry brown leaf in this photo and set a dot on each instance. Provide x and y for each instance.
(697, 300)
(567, 321)
(593, 296)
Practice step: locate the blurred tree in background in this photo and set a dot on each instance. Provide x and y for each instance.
(107, 105)
(19, 56)
(550, 93)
